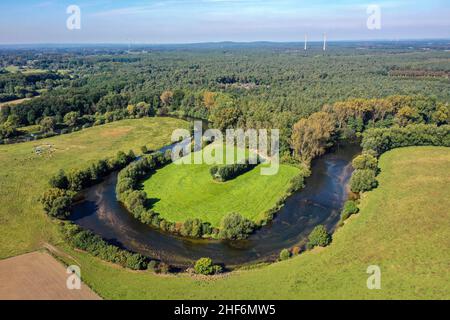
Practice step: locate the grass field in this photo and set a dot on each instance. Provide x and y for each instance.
(14, 102)
(24, 175)
(403, 227)
(182, 191)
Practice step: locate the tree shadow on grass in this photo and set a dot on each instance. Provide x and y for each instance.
(150, 203)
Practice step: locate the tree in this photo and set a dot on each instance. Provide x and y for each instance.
(363, 180)
(365, 161)
(350, 208)
(71, 118)
(311, 137)
(7, 130)
(442, 115)
(56, 203)
(319, 237)
(285, 254)
(143, 109)
(192, 228)
(166, 98)
(226, 114)
(78, 179)
(48, 124)
(59, 180)
(235, 227)
(131, 109)
(206, 267)
(209, 99)
(406, 115)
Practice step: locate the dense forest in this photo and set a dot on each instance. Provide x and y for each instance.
(254, 85)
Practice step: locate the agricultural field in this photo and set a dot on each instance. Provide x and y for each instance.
(398, 228)
(25, 172)
(181, 191)
(14, 102)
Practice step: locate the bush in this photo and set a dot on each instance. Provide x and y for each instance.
(59, 180)
(285, 254)
(296, 251)
(192, 228)
(382, 140)
(365, 161)
(319, 237)
(61, 207)
(57, 203)
(235, 227)
(350, 208)
(135, 202)
(205, 267)
(229, 172)
(136, 261)
(78, 179)
(297, 183)
(95, 245)
(213, 171)
(363, 180)
(163, 268)
(152, 265)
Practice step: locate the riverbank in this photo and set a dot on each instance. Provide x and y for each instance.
(24, 174)
(400, 209)
(319, 203)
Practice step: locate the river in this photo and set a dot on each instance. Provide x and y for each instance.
(319, 202)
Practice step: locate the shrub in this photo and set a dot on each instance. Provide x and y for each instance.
(152, 265)
(144, 149)
(136, 262)
(163, 268)
(61, 207)
(135, 200)
(59, 180)
(192, 228)
(229, 172)
(296, 251)
(363, 180)
(365, 161)
(213, 171)
(78, 179)
(95, 245)
(205, 267)
(236, 227)
(285, 254)
(382, 140)
(57, 203)
(350, 208)
(297, 183)
(319, 237)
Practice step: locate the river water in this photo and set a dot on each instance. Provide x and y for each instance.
(319, 202)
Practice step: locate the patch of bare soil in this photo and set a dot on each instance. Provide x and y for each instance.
(38, 276)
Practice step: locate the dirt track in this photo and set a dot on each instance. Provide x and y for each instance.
(38, 276)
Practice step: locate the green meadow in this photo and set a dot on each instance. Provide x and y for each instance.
(180, 191)
(24, 174)
(402, 227)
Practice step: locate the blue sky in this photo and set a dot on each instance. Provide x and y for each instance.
(185, 21)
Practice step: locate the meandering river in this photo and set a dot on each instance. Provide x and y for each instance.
(319, 202)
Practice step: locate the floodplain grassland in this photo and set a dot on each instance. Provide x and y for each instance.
(24, 173)
(403, 227)
(181, 191)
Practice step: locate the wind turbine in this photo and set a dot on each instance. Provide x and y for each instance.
(306, 42)
(324, 42)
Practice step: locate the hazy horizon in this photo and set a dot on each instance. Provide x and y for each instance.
(156, 22)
